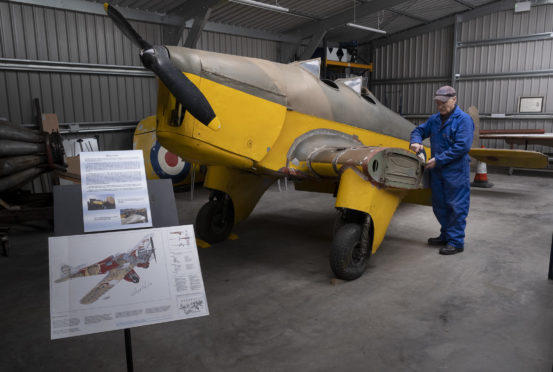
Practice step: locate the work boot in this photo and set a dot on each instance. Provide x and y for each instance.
(436, 241)
(449, 249)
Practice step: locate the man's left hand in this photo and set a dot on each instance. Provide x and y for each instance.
(430, 164)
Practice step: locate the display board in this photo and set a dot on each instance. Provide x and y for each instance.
(116, 280)
(114, 191)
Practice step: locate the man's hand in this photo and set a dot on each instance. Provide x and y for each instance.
(416, 147)
(430, 164)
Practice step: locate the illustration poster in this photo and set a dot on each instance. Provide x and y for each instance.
(116, 280)
(114, 190)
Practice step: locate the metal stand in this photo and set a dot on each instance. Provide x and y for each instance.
(550, 274)
(68, 220)
(128, 350)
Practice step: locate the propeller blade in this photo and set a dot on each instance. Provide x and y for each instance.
(126, 27)
(156, 58)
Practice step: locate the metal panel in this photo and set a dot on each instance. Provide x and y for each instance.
(427, 55)
(237, 45)
(39, 34)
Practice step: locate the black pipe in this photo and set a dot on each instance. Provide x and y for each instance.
(20, 163)
(15, 148)
(18, 133)
(18, 179)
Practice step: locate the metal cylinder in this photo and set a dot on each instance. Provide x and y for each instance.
(20, 163)
(383, 166)
(15, 132)
(16, 148)
(18, 179)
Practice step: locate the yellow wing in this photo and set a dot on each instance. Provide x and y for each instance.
(510, 158)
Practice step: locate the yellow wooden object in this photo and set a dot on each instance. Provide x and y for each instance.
(510, 158)
(244, 188)
(350, 64)
(357, 194)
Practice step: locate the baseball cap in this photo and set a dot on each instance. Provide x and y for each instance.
(444, 93)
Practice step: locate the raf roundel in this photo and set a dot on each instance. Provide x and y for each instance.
(168, 165)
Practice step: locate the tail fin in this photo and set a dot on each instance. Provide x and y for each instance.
(65, 270)
(65, 273)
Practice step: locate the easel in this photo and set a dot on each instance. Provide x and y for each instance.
(68, 220)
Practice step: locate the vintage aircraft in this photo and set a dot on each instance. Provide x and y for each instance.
(161, 163)
(253, 121)
(117, 267)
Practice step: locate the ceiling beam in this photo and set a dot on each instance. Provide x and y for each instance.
(344, 17)
(196, 30)
(407, 15)
(480, 11)
(98, 8)
(313, 44)
(463, 3)
(196, 10)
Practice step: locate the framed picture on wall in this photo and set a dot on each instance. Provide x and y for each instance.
(530, 104)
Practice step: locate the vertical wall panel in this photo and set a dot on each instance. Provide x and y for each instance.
(429, 55)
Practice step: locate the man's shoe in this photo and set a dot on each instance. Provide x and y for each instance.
(436, 241)
(448, 249)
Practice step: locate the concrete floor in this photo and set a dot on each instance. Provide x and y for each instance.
(273, 306)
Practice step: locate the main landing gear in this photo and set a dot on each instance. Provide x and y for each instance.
(215, 219)
(352, 244)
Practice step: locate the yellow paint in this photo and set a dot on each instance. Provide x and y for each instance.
(297, 124)
(350, 64)
(357, 194)
(244, 188)
(202, 244)
(510, 158)
(233, 237)
(145, 138)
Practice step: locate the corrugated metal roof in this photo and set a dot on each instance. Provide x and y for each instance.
(303, 12)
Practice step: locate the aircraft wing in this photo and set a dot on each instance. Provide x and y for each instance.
(384, 167)
(545, 139)
(510, 158)
(107, 283)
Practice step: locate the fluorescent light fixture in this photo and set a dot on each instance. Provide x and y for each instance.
(361, 27)
(258, 4)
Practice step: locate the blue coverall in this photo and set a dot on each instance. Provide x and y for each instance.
(450, 178)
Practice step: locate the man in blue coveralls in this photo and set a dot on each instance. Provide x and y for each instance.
(451, 132)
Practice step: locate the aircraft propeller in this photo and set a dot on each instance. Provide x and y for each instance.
(156, 58)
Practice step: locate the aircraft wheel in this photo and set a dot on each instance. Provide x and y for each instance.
(215, 219)
(347, 257)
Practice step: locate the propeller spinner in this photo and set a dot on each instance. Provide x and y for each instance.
(156, 58)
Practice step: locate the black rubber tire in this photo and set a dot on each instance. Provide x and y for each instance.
(214, 222)
(345, 259)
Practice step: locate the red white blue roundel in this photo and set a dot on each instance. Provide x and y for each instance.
(168, 165)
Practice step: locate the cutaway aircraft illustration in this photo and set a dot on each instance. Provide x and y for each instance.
(252, 121)
(116, 267)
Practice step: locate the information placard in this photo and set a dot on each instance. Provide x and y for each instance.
(530, 104)
(124, 279)
(114, 189)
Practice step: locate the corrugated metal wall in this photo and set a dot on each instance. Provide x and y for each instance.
(500, 95)
(43, 34)
(85, 70)
(408, 72)
(36, 33)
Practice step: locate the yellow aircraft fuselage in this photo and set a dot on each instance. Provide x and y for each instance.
(264, 108)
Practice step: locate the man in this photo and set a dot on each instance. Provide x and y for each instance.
(450, 131)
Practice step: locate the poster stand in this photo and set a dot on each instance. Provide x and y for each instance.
(68, 220)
